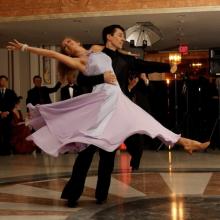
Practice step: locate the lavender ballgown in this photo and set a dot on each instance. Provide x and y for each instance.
(104, 118)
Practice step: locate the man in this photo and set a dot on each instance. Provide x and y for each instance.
(72, 89)
(7, 102)
(40, 94)
(113, 37)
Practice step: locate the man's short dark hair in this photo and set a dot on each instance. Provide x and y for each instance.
(110, 30)
(4, 77)
(36, 77)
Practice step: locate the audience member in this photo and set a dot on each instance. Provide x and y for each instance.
(72, 89)
(40, 94)
(7, 100)
(19, 131)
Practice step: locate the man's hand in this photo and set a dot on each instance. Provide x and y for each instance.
(132, 83)
(143, 76)
(173, 68)
(110, 78)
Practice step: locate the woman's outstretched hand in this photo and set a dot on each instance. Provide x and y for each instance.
(15, 45)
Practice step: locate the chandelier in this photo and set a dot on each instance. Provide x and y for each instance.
(175, 58)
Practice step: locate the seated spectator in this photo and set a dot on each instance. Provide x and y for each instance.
(19, 131)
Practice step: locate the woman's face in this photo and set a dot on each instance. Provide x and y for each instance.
(70, 46)
(18, 106)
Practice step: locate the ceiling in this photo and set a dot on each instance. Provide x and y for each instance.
(200, 30)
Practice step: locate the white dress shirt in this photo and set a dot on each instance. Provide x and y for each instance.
(71, 90)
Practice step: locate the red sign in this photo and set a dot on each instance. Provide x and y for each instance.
(184, 49)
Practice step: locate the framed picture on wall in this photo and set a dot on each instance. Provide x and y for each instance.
(46, 70)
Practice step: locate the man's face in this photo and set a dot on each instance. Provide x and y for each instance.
(3, 83)
(117, 39)
(71, 79)
(37, 82)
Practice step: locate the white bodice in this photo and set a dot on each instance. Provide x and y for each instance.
(98, 63)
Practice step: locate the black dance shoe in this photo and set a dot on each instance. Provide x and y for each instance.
(72, 203)
(101, 201)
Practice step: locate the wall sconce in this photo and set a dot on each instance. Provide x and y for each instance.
(175, 58)
(196, 65)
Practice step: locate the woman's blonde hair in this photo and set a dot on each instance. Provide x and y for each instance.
(63, 69)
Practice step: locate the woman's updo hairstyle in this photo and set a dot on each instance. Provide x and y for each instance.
(63, 69)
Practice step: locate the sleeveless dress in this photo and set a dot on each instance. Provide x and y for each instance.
(104, 118)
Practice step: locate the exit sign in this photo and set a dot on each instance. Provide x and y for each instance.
(184, 49)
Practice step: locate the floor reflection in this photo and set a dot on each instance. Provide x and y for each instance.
(171, 208)
(170, 185)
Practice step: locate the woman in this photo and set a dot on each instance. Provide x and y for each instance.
(102, 118)
(20, 131)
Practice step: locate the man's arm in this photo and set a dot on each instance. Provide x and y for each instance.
(55, 88)
(130, 92)
(141, 66)
(32, 97)
(90, 81)
(28, 99)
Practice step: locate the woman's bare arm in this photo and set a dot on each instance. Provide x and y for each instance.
(75, 63)
(96, 48)
(128, 53)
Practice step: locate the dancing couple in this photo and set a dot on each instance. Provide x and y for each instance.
(103, 118)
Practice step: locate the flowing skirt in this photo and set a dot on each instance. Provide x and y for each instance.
(104, 118)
